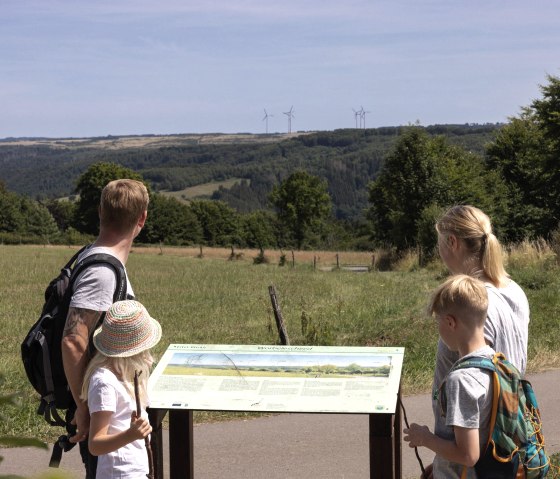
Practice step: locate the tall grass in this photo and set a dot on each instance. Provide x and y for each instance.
(215, 301)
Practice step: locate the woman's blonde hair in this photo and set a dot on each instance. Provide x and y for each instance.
(473, 226)
(124, 369)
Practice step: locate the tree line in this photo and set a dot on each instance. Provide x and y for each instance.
(347, 159)
(515, 178)
(170, 221)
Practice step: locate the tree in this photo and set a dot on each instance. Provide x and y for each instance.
(421, 174)
(302, 205)
(219, 222)
(11, 219)
(526, 153)
(23, 216)
(63, 212)
(89, 188)
(547, 112)
(518, 154)
(170, 222)
(37, 220)
(259, 229)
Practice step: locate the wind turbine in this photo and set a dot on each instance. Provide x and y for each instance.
(266, 115)
(290, 115)
(356, 114)
(363, 117)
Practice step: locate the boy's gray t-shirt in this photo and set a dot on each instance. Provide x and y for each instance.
(506, 329)
(94, 288)
(469, 405)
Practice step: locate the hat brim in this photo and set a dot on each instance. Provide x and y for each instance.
(149, 342)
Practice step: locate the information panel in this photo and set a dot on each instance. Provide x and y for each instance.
(277, 378)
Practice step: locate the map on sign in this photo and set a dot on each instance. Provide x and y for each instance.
(277, 378)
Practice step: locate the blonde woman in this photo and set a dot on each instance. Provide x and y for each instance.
(116, 432)
(467, 245)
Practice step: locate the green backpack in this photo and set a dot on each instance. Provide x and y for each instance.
(515, 447)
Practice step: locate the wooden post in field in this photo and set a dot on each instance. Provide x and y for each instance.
(200, 255)
(278, 315)
(337, 262)
(293, 259)
(314, 262)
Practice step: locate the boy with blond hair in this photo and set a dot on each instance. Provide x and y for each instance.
(459, 306)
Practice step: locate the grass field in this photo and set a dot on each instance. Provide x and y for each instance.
(150, 141)
(203, 190)
(211, 300)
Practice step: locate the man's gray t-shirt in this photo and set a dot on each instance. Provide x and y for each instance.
(469, 405)
(94, 288)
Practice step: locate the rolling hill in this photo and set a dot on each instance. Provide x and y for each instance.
(239, 169)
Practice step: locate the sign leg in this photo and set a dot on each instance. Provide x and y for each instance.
(381, 457)
(181, 465)
(156, 418)
(397, 435)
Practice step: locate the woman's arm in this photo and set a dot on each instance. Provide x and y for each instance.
(101, 442)
(465, 449)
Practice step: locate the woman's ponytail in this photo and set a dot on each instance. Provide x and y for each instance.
(473, 226)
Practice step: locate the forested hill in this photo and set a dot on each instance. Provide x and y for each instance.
(348, 159)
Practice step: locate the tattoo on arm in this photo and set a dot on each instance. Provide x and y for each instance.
(80, 318)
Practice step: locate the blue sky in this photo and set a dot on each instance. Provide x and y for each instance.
(96, 67)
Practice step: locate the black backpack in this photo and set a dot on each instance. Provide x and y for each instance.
(41, 349)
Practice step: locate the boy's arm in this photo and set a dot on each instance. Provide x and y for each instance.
(465, 449)
(101, 442)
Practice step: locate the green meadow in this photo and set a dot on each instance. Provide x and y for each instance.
(215, 301)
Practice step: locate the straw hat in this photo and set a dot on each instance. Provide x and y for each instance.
(126, 330)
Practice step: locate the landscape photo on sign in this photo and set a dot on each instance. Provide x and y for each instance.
(298, 365)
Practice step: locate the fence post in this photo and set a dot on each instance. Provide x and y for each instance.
(278, 316)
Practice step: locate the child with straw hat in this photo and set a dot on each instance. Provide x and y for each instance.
(116, 432)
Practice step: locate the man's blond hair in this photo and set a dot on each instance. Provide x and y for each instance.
(462, 296)
(122, 204)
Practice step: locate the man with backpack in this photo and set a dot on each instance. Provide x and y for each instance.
(122, 214)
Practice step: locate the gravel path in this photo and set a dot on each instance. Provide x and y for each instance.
(294, 445)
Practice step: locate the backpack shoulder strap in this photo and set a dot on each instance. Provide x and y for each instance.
(489, 365)
(471, 362)
(104, 258)
(73, 259)
(478, 362)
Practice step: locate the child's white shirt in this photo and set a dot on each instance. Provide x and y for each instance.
(107, 393)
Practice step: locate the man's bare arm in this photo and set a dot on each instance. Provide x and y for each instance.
(80, 323)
